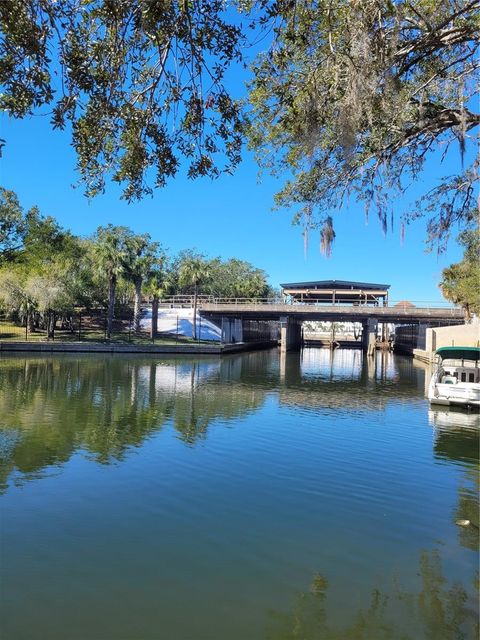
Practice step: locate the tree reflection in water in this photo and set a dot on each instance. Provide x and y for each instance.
(52, 406)
(438, 611)
(457, 439)
(107, 405)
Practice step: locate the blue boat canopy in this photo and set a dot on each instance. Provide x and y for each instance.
(459, 353)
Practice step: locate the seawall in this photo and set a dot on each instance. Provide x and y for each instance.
(81, 347)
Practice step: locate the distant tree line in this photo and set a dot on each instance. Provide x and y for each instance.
(46, 271)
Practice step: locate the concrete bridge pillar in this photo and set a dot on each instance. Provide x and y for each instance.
(232, 330)
(369, 336)
(290, 334)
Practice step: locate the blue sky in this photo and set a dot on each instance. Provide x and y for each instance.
(228, 217)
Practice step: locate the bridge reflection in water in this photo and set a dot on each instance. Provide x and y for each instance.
(107, 405)
(264, 496)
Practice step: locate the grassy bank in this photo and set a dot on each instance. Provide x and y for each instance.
(10, 332)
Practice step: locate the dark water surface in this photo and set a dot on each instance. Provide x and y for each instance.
(248, 498)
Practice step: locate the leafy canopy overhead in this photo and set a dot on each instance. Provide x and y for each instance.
(349, 97)
(140, 81)
(353, 96)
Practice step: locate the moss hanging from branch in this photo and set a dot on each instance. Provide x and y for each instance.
(353, 97)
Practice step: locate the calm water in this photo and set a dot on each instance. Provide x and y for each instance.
(244, 499)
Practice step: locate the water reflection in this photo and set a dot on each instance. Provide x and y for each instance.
(457, 440)
(52, 406)
(346, 379)
(168, 522)
(439, 610)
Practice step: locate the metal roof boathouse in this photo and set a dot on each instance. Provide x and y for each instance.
(337, 292)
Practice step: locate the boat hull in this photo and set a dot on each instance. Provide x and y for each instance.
(449, 402)
(455, 394)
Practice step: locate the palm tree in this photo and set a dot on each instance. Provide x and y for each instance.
(155, 285)
(111, 255)
(461, 281)
(143, 255)
(253, 286)
(193, 272)
(455, 286)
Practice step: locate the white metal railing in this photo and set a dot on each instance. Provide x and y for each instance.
(207, 299)
(402, 305)
(422, 304)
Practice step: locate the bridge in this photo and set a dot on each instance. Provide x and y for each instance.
(231, 313)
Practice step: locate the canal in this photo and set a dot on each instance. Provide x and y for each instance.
(249, 498)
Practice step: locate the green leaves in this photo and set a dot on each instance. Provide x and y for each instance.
(461, 281)
(12, 225)
(140, 82)
(112, 250)
(49, 270)
(236, 278)
(193, 271)
(347, 98)
(353, 96)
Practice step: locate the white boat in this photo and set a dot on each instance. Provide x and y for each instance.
(456, 377)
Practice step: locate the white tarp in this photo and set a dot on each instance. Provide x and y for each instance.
(181, 320)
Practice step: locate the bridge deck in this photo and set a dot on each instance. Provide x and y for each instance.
(336, 313)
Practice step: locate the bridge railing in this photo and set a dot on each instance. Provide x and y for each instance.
(207, 299)
(422, 304)
(401, 305)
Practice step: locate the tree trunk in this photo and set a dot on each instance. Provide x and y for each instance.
(51, 320)
(152, 387)
(31, 321)
(154, 325)
(111, 304)
(194, 325)
(136, 305)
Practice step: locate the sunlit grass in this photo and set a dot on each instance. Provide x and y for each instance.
(10, 332)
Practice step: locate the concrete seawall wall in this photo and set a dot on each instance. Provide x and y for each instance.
(463, 335)
(79, 347)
